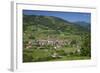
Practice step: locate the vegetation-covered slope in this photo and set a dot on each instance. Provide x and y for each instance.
(52, 38)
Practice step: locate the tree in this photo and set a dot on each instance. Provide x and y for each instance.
(86, 46)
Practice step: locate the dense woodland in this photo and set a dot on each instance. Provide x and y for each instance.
(48, 38)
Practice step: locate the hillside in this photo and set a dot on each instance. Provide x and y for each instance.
(83, 24)
(48, 32)
(52, 24)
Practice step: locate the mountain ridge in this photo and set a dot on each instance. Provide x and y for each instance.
(52, 26)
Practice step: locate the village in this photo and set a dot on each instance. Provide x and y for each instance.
(56, 43)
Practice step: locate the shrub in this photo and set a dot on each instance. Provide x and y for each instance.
(61, 52)
(27, 57)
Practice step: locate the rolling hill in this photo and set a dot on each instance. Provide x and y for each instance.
(53, 23)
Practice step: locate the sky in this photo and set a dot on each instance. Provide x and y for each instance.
(69, 16)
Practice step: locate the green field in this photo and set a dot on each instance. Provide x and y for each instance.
(46, 55)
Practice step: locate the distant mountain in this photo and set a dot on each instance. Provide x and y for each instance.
(83, 24)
